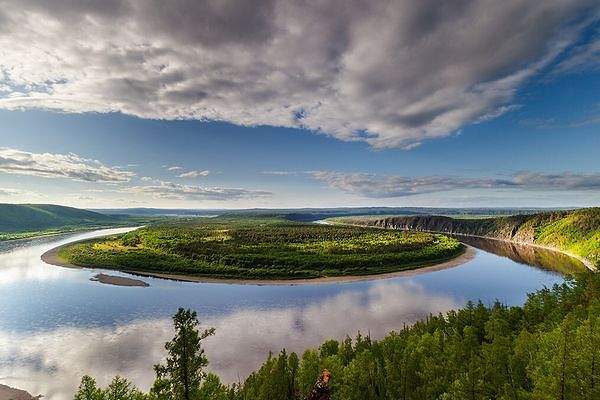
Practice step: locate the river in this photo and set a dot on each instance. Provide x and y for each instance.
(56, 324)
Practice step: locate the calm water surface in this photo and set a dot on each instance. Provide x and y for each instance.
(56, 324)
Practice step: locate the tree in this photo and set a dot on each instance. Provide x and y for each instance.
(88, 390)
(118, 389)
(122, 389)
(181, 376)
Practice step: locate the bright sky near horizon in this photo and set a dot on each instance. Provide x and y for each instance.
(218, 104)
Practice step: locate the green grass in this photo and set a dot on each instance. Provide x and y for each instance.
(262, 248)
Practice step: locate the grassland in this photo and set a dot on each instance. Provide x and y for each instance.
(576, 232)
(262, 248)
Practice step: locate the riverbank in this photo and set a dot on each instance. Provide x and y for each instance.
(573, 233)
(51, 257)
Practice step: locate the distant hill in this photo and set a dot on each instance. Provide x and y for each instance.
(313, 214)
(37, 217)
(576, 231)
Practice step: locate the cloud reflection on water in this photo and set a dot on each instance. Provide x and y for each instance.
(52, 362)
(20, 259)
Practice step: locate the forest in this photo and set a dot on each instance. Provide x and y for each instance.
(256, 248)
(549, 348)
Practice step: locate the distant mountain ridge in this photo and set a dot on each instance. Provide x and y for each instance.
(35, 217)
(312, 213)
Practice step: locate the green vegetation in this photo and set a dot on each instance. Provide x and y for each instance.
(24, 221)
(46, 232)
(254, 248)
(576, 232)
(547, 349)
(40, 217)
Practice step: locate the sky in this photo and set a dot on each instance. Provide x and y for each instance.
(227, 104)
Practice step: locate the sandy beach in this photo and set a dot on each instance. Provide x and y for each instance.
(118, 280)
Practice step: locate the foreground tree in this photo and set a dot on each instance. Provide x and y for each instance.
(118, 389)
(88, 390)
(182, 374)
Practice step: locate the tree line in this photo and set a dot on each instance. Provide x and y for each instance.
(549, 348)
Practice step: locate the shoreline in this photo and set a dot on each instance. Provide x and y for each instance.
(51, 257)
(587, 263)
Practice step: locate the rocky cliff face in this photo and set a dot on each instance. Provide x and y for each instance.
(518, 228)
(576, 232)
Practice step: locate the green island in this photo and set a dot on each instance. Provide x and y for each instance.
(262, 248)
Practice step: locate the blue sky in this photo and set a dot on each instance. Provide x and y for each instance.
(525, 131)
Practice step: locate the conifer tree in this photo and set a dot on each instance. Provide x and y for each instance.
(182, 374)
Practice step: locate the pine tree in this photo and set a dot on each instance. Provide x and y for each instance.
(88, 390)
(181, 376)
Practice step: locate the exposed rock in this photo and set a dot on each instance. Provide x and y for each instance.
(8, 393)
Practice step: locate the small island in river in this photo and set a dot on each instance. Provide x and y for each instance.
(118, 280)
(260, 249)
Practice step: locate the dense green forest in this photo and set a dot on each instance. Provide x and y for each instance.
(254, 248)
(573, 231)
(547, 349)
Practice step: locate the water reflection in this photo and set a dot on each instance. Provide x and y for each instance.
(530, 255)
(20, 260)
(56, 324)
(52, 362)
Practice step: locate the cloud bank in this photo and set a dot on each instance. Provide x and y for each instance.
(50, 165)
(194, 174)
(176, 191)
(388, 186)
(390, 73)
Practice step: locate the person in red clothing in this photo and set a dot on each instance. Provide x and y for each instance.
(321, 390)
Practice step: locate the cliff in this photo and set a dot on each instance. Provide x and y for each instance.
(575, 232)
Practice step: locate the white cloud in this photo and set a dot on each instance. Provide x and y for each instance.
(283, 173)
(50, 165)
(583, 58)
(194, 174)
(390, 73)
(10, 192)
(388, 186)
(175, 191)
(174, 168)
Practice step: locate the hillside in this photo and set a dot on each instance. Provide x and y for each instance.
(576, 232)
(313, 214)
(39, 217)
